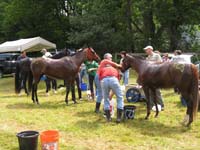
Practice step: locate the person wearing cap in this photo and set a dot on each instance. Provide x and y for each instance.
(156, 59)
(109, 78)
(125, 75)
(45, 53)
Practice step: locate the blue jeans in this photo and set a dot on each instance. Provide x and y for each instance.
(125, 77)
(98, 89)
(112, 83)
(83, 73)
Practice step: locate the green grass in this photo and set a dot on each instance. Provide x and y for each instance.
(81, 129)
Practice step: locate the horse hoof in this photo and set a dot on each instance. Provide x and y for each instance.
(75, 102)
(146, 118)
(156, 116)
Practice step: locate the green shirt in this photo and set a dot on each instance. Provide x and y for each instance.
(91, 65)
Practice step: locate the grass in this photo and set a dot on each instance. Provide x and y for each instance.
(81, 129)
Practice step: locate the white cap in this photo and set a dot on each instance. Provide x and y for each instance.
(107, 55)
(148, 47)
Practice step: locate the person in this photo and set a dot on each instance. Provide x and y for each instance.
(21, 76)
(45, 53)
(48, 80)
(156, 59)
(22, 55)
(91, 67)
(83, 73)
(165, 57)
(177, 57)
(125, 75)
(109, 78)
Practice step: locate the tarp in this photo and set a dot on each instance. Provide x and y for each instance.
(28, 45)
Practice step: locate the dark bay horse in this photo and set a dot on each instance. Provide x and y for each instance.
(65, 68)
(23, 73)
(166, 75)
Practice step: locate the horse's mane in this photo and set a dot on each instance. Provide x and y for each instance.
(77, 51)
(137, 56)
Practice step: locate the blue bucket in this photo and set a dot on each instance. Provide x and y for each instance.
(83, 87)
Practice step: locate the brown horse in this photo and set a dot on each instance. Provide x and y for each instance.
(65, 68)
(166, 75)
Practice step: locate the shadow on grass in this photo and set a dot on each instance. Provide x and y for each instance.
(43, 105)
(151, 127)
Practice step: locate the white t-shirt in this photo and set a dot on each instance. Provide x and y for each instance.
(47, 55)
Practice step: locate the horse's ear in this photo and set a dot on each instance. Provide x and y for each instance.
(123, 52)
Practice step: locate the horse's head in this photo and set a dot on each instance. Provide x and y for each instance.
(91, 54)
(125, 63)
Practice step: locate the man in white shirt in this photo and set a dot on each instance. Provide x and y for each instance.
(45, 53)
(156, 59)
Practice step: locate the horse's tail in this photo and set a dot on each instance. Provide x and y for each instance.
(17, 78)
(195, 90)
(30, 80)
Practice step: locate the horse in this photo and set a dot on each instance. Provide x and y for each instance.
(23, 73)
(166, 75)
(65, 68)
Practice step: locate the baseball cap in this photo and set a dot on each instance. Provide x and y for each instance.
(148, 47)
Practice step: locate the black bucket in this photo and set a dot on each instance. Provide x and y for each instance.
(28, 140)
(129, 112)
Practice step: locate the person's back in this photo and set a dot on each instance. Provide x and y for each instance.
(108, 75)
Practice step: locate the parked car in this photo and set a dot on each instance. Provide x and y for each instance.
(7, 63)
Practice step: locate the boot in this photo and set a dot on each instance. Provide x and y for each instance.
(97, 107)
(108, 115)
(119, 115)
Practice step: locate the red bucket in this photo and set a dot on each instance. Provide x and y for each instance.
(49, 139)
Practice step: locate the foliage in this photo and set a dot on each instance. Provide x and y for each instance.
(107, 25)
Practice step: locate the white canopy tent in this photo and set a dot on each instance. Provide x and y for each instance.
(28, 45)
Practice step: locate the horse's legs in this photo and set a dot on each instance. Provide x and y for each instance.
(73, 93)
(78, 86)
(48, 86)
(24, 84)
(189, 112)
(67, 93)
(146, 92)
(36, 97)
(154, 96)
(33, 92)
(54, 85)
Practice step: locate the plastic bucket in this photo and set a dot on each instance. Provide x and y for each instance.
(129, 112)
(83, 86)
(28, 140)
(49, 140)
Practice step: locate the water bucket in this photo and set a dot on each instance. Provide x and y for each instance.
(49, 140)
(129, 112)
(83, 87)
(28, 140)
